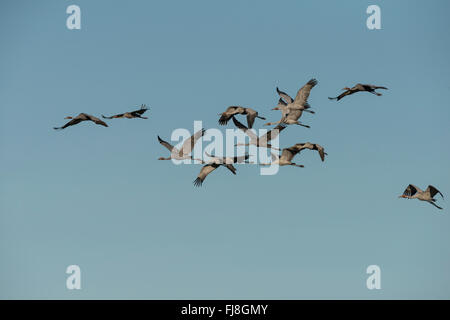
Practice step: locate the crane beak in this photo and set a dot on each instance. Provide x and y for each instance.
(402, 196)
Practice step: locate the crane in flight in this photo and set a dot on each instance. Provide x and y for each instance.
(80, 118)
(359, 88)
(414, 192)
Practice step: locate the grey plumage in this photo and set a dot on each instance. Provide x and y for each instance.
(359, 88)
(262, 141)
(130, 115)
(207, 169)
(235, 110)
(414, 192)
(292, 109)
(80, 118)
(187, 147)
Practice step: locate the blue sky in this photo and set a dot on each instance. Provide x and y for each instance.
(99, 198)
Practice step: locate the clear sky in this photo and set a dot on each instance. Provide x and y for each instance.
(137, 227)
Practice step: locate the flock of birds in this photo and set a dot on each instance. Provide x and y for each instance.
(87, 117)
(291, 111)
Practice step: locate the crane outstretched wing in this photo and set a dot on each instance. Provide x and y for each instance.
(433, 191)
(303, 93)
(247, 131)
(226, 116)
(68, 124)
(141, 111)
(410, 190)
(272, 134)
(206, 169)
(165, 144)
(114, 116)
(284, 96)
(189, 144)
